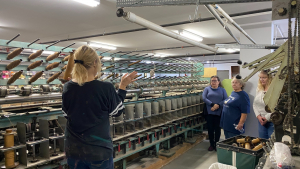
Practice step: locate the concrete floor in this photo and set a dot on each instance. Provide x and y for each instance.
(196, 158)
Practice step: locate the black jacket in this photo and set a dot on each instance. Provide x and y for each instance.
(88, 109)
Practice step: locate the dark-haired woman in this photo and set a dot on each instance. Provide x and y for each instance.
(214, 96)
(235, 109)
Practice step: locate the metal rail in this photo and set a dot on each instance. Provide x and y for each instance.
(141, 3)
(54, 96)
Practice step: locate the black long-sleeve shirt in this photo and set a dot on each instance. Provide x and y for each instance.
(87, 109)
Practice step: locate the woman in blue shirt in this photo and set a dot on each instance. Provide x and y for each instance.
(235, 109)
(214, 96)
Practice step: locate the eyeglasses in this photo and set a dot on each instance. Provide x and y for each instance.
(213, 80)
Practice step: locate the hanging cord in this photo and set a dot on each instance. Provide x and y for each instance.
(196, 12)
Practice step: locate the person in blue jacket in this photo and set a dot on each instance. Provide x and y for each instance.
(235, 109)
(214, 96)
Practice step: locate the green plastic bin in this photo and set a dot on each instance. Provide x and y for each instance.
(239, 157)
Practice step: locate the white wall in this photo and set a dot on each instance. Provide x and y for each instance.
(261, 36)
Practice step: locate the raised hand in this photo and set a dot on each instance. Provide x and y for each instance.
(127, 79)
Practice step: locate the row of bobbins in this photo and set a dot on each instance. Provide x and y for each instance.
(145, 109)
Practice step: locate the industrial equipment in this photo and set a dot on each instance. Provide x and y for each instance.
(31, 120)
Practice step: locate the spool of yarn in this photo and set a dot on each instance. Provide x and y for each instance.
(53, 56)
(134, 63)
(14, 53)
(53, 77)
(52, 65)
(255, 141)
(247, 145)
(10, 154)
(257, 147)
(13, 64)
(36, 76)
(244, 140)
(70, 66)
(35, 55)
(66, 58)
(35, 64)
(14, 77)
(63, 68)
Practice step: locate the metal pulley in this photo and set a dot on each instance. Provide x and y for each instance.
(25, 91)
(45, 88)
(276, 118)
(3, 92)
(61, 87)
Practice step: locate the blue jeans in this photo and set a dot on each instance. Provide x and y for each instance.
(229, 134)
(79, 164)
(266, 130)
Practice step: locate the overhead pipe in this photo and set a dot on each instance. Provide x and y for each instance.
(218, 8)
(129, 16)
(164, 25)
(211, 9)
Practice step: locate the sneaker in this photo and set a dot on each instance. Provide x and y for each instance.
(211, 148)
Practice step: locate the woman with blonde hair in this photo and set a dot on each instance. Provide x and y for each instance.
(265, 127)
(87, 104)
(235, 109)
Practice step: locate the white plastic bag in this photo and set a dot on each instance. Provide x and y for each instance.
(280, 157)
(221, 166)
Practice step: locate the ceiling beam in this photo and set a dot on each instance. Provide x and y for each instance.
(164, 25)
(170, 48)
(201, 55)
(137, 3)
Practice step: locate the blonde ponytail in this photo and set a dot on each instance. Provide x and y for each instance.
(86, 57)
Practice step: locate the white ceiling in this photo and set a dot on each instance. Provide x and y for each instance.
(60, 19)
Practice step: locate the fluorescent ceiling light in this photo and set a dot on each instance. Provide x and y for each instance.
(190, 35)
(160, 55)
(207, 61)
(232, 50)
(106, 58)
(45, 52)
(92, 3)
(104, 46)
